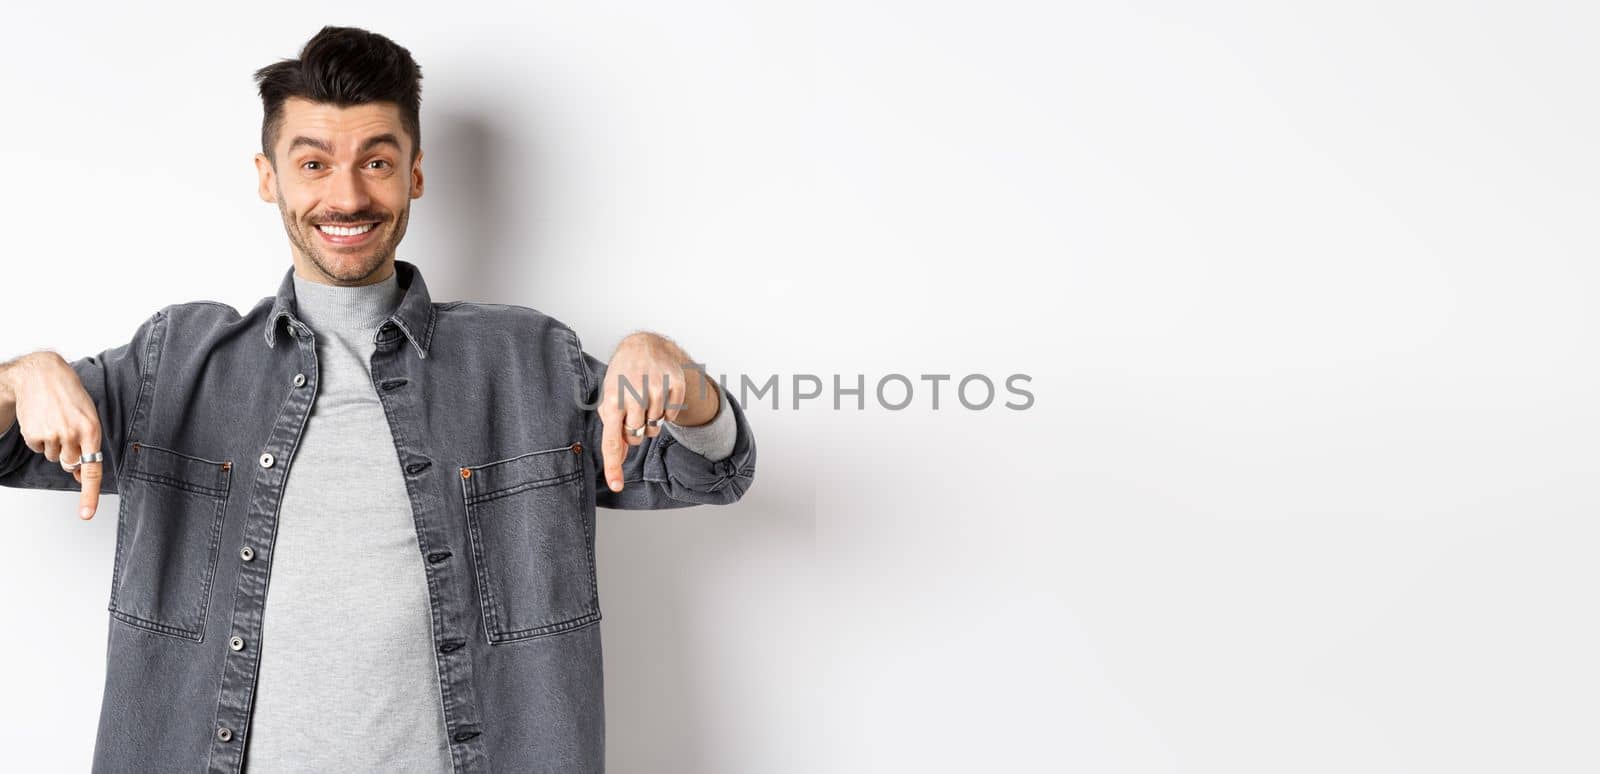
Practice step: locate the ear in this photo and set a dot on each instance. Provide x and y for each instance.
(416, 177)
(267, 188)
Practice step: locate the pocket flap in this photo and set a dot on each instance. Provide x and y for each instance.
(525, 471)
(174, 468)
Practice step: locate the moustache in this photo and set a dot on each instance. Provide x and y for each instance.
(347, 220)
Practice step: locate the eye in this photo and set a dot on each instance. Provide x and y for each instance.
(308, 163)
(385, 162)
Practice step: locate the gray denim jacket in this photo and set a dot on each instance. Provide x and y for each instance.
(201, 413)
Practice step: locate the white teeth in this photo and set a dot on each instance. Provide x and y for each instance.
(342, 231)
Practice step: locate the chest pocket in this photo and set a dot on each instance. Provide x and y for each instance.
(169, 529)
(533, 543)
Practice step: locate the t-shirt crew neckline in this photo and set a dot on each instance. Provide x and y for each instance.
(338, 308)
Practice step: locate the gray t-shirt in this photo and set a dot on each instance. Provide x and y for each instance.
(348, 680)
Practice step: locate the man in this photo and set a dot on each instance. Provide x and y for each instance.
(357, 525)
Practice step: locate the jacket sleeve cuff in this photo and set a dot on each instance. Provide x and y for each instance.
(689, 476)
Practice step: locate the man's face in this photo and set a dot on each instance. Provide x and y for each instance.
(349, 169)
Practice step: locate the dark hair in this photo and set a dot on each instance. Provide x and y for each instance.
(343, 66)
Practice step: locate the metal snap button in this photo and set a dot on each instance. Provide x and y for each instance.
(236, 642)
(224, 734)
(299, 380)
(247, 553)
(266, 460)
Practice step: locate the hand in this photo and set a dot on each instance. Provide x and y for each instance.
(58, 418)
(646, 381)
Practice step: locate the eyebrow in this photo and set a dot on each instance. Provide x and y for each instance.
(374, 141)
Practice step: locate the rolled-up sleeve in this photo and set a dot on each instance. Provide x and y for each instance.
(114, 379)
(672, 469)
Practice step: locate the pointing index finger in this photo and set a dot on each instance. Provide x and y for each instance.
(90, 499)
(612, 449)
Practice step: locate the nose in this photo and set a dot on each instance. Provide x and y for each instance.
(347, 192)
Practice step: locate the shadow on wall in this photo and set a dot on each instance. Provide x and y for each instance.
(466, 200)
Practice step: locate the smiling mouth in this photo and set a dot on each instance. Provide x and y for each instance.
(333, 229)
(355, 235)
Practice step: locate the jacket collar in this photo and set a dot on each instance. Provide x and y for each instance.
(414, 316)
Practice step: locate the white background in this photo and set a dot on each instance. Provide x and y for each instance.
(1305, 291)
